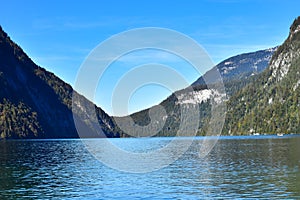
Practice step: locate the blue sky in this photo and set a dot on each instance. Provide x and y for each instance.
(58, 35)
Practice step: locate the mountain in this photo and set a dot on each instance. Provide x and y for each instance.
(34, 103)
(270, 104)
(241, 66)
(262, 95)
(236, 72)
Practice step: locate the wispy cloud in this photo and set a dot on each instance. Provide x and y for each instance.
(230, 28)
(54, 58)
(68, 23)
(227, 1)
(220, 52)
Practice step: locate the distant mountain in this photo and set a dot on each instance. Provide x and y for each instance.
(240, 67)
(239, 70)
(236, 72)
(271, 104)
(34, 103)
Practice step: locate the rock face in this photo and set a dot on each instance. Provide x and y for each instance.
(271, 103)
(287, 53)
(34, 103)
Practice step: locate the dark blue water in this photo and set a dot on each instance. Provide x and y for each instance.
(238, 167)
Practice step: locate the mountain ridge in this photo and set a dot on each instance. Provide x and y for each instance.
(241, 66)
(34, 103)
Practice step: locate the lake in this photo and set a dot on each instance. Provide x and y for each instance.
(236, 168)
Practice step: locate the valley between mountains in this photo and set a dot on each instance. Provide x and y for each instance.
(262, 96)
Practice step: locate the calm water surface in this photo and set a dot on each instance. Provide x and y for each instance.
(237, 168)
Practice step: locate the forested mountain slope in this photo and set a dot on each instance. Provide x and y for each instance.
(271, 103)
(34, 103)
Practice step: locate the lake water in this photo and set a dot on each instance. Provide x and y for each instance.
(237, 167)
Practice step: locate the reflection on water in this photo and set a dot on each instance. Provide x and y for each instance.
(238, 167)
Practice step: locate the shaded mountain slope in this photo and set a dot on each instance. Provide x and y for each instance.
(34, 103)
